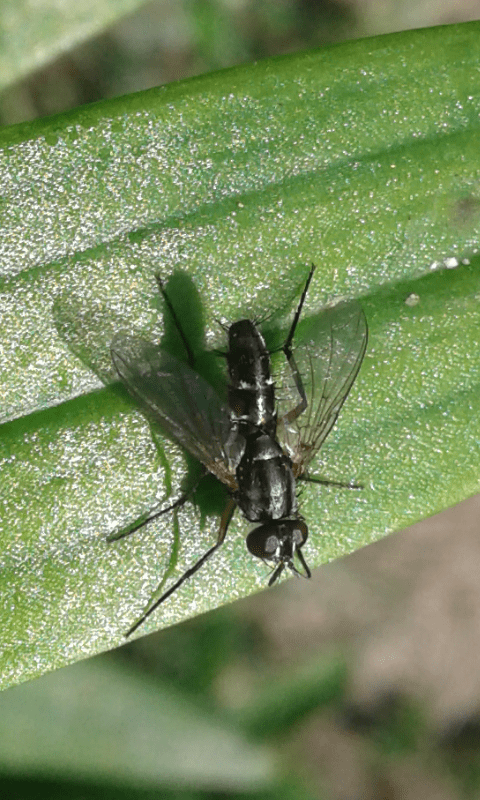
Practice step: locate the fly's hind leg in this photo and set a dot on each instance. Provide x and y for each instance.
(292, 415)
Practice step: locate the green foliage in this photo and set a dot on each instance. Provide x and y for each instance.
(108, 726)
(32, 34)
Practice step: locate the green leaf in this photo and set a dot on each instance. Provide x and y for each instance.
(361, 158)
(100, 724)
(32, 34)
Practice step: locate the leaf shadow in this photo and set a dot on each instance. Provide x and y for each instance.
(88, 327)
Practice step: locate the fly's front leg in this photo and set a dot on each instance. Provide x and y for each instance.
(292, 415)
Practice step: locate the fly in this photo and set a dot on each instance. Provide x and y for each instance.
(256, 446)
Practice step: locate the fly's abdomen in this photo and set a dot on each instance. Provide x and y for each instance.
(266, 485)
(251, 394)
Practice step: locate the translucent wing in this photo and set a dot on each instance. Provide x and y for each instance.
(328, 360)
(183, 402)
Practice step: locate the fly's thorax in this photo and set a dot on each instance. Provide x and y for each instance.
(266, 483)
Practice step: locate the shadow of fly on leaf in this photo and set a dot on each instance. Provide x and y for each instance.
(258, 445)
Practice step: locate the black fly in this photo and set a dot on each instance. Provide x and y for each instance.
(256, 447)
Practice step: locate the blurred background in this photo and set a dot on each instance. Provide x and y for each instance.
(92, 50)
(363, 682)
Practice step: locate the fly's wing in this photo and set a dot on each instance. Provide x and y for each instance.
(183, 402)
(328, 359)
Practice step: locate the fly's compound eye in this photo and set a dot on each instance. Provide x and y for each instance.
(262, 543)
(299, 533)
(271, 546)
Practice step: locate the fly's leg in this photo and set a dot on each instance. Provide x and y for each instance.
(168, 303)
(287, 349)
(224, 523)
(177, 504)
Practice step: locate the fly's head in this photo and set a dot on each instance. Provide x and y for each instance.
(279, 541)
